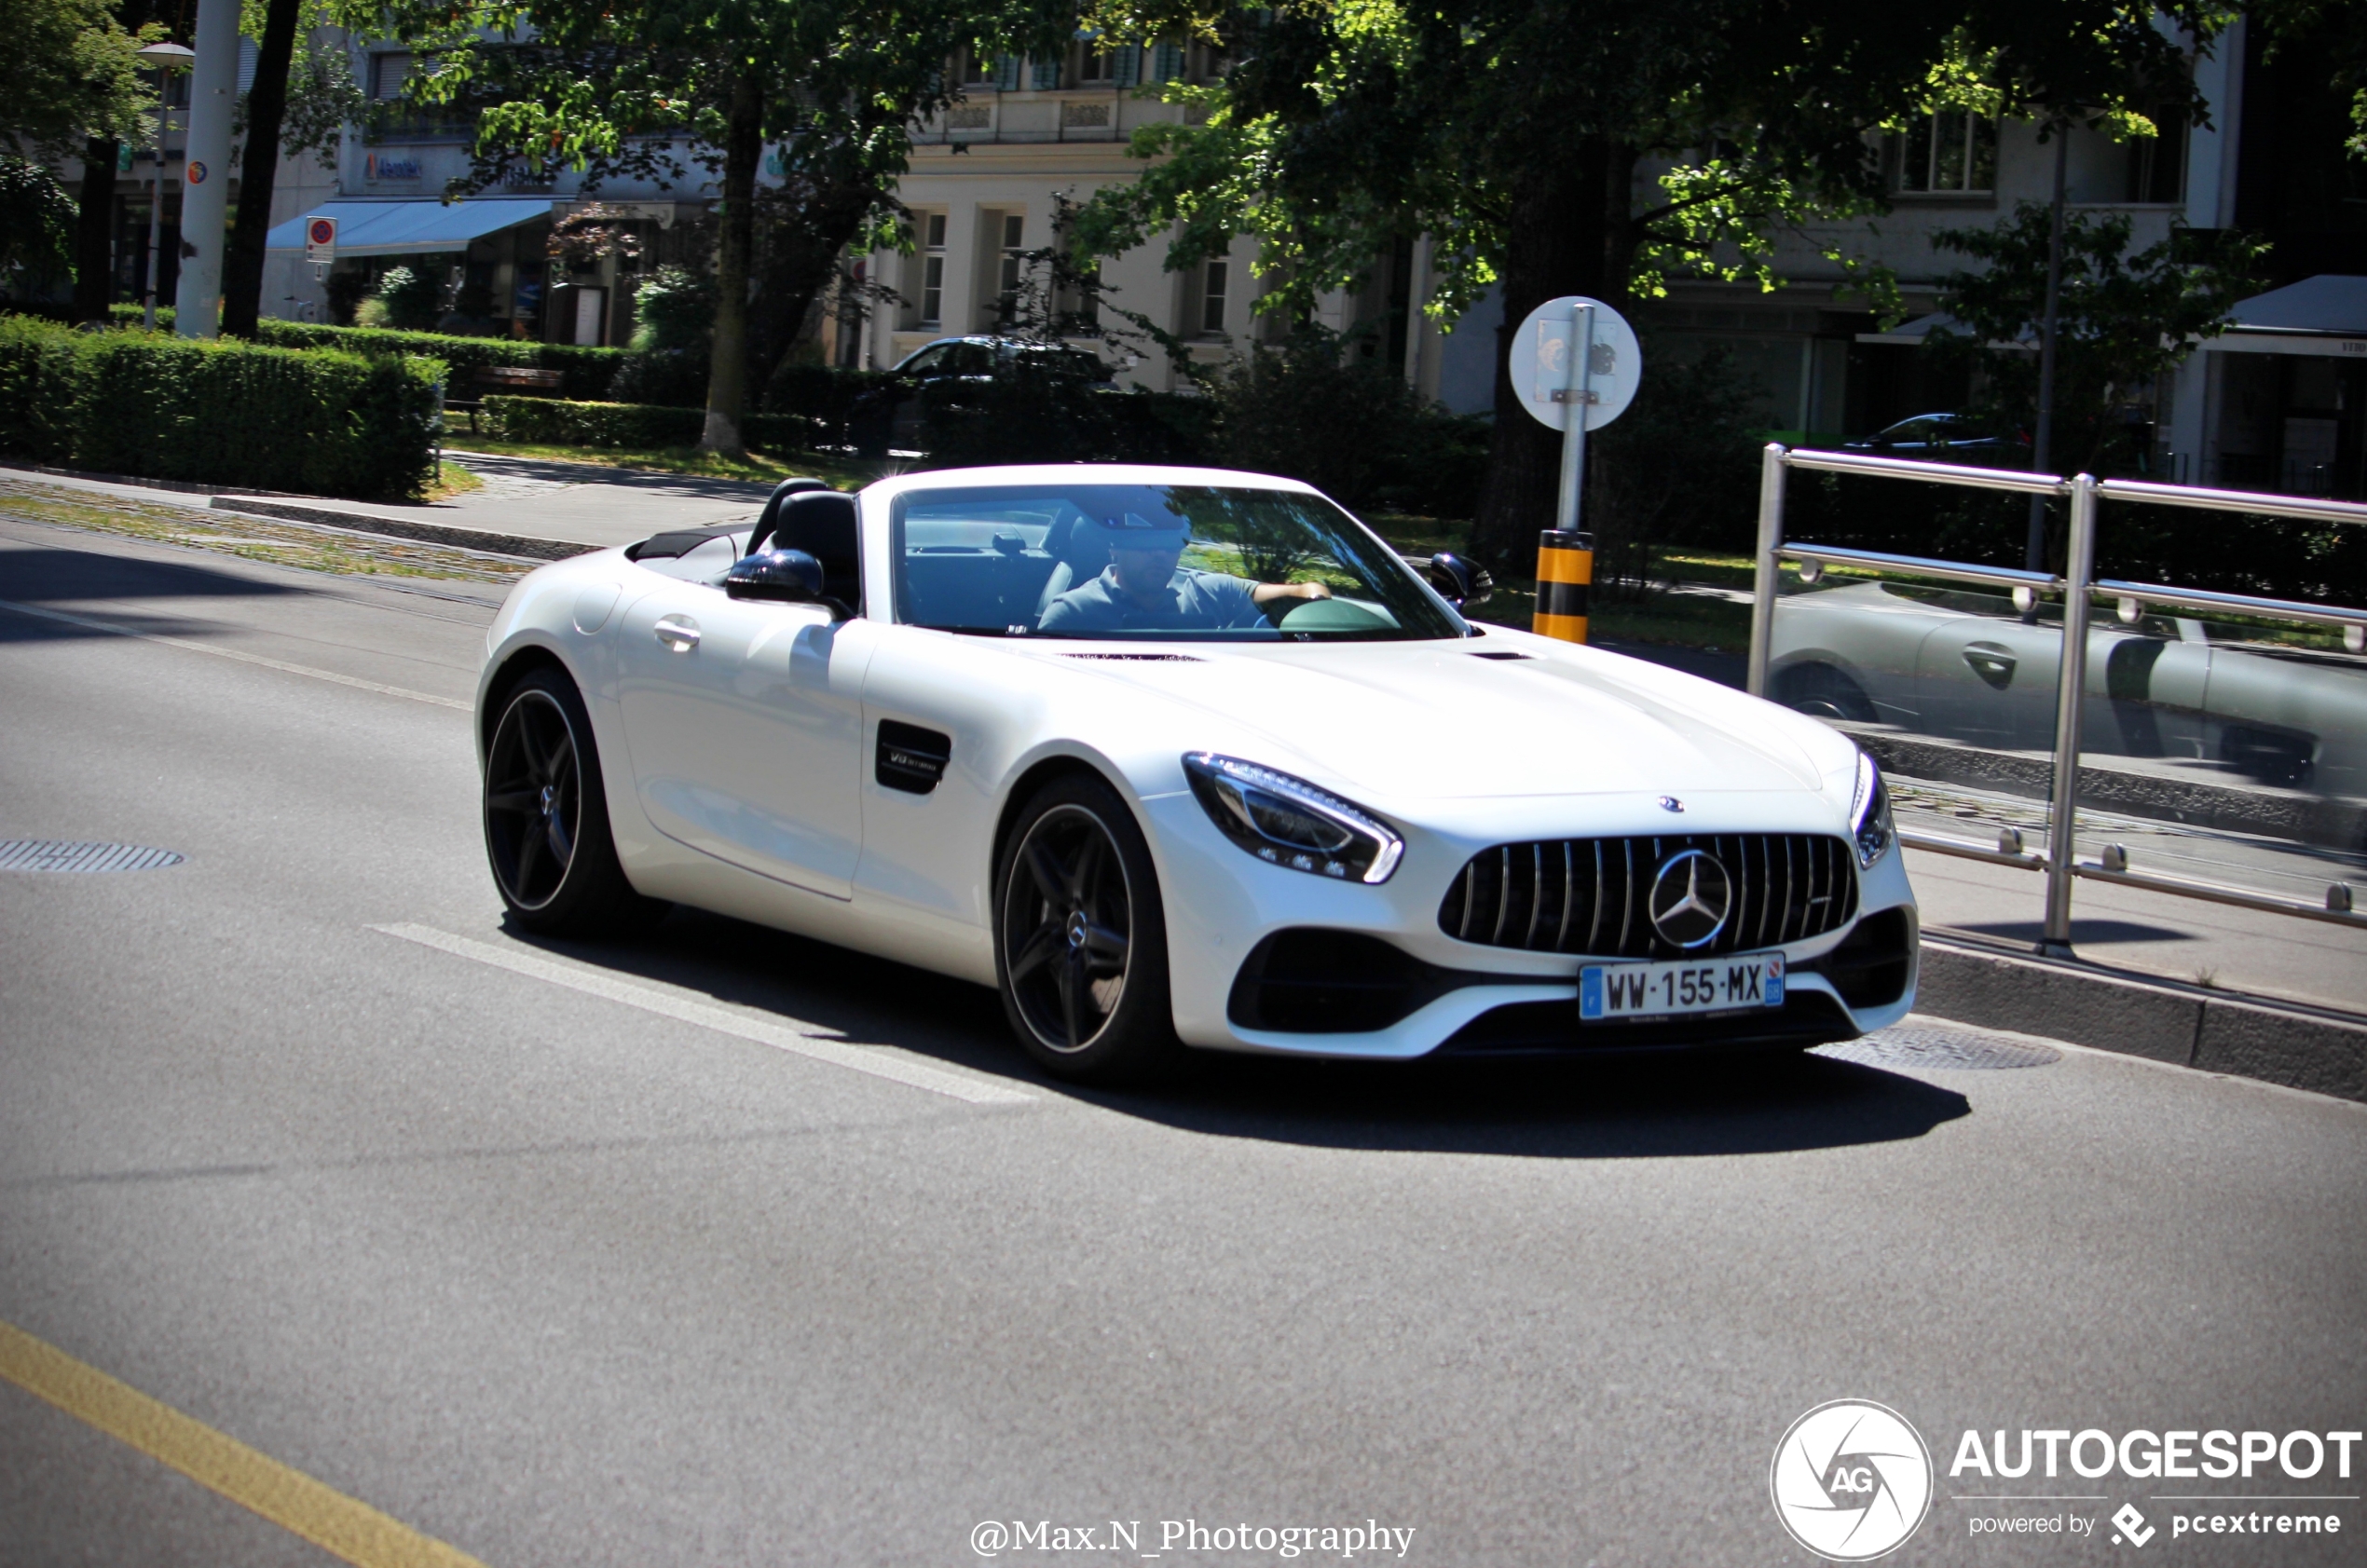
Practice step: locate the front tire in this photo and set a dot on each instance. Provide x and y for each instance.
(1080, 938)
(546, 816)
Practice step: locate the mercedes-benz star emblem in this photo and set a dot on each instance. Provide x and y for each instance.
(1690, 898)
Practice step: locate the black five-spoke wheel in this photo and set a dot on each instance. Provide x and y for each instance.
(546, 817)
(533, 799)
(1081, 941)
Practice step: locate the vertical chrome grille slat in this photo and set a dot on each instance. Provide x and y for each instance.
(1569, 890)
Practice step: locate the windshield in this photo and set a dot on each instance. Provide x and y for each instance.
(1152, 561)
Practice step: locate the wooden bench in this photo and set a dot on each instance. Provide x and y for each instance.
(522, 378)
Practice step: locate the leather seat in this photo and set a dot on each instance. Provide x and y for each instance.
(822, 522)
(772, 504)
(1080, 552)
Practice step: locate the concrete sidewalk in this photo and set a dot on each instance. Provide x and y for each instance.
(528, 506)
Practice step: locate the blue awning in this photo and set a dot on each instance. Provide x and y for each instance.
(410, 229)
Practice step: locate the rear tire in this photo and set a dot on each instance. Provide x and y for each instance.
(1824, 692)
(546, 817)
(1080, 938)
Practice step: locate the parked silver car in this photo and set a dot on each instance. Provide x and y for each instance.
(1966, 667)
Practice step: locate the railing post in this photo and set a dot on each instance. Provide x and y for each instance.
(1764, 575)
(2079, 571)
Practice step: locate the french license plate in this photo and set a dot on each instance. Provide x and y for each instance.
(1657, 990)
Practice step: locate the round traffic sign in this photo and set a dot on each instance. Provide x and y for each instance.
(322, 231)
(1543, 353)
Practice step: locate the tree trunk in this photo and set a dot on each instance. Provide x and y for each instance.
(267, 105)
(1569, 232)
(727, 373)
(94, 233)
(804, 238)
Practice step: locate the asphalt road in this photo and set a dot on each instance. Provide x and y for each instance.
(568, 1276)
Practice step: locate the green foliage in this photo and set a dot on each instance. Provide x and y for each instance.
(68, 72)
(549, 421)
(2123, 320)
(1568, 147)
(217, 412)
(590, 373)
(671, 377)
(824, 393)
(673, 309)
(1357, 433)
(1679, 468)
(37, 227)
(405, 300)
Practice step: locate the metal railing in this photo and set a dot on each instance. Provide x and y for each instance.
(2078, 588)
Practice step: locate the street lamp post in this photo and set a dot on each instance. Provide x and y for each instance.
(167, 59)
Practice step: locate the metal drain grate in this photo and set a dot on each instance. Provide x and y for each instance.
(1948, 1049)
(54, 854)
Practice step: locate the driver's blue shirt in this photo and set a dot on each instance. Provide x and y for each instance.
(1195, 601)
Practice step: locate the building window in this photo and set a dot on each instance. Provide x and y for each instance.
(2158, 164)
(1096, 66)
(388, 72)
(1014, 259)
(981, 70)
(1952, 153)
(1215, 277)
(932, 268)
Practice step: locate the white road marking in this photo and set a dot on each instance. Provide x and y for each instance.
(786, 1034)
(187, 646)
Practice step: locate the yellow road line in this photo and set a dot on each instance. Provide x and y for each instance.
(290, 1499)
(188, 647)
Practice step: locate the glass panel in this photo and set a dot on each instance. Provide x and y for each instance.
(1984, 155)
(1163, 562)
(1915, 158)
(1951, 152)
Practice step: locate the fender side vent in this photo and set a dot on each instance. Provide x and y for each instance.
(910, 757)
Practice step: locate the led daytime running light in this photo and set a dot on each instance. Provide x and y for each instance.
(1870, 818)
(1287, 822)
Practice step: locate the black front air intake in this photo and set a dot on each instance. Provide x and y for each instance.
(1593, 896)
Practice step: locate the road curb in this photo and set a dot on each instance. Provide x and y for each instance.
(404, 528)
(2317, 1049)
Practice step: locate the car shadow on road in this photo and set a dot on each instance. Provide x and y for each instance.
(66, 576)
(1566, 1108)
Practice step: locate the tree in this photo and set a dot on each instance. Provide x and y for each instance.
(2121, 323)
(265, 105)
(68, 73)
(1579, 146)
(36, 226)
(654, 87)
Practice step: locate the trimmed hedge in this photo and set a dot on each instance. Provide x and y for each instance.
(590, 373)
(551, 422)
(218, 412)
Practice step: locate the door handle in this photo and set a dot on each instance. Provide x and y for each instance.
(678, 632)
(1992, 664)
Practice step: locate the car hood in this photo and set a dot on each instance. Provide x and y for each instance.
(1403, 720)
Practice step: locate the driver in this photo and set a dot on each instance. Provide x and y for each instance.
(1146, 589)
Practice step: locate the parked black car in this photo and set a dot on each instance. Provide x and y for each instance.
(1947, 438)
(894, 417)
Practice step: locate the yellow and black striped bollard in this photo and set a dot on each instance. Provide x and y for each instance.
(1565, 572)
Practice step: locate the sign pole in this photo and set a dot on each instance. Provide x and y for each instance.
(1577, 391)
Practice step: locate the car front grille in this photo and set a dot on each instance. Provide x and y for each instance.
(1593, 895)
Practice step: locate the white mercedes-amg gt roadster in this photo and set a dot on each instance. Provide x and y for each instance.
(1179, 757)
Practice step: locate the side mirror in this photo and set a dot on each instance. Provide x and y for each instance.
(790, 577)
(1462, 583)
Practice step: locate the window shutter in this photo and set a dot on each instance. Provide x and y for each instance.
(1006, 74)
(1166, 61)
(1048, 74)
(1127, 64)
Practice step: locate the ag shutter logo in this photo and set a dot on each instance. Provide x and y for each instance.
(1851, 1481)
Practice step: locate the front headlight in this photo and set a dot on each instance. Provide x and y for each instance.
(1869, 821)
(1288, 822)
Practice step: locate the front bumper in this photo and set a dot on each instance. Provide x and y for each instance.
(1226, 910)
